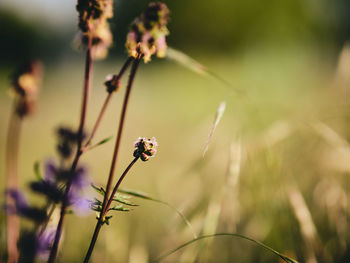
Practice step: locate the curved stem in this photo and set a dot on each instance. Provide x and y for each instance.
(283, 257)
(12, 149)
(102, 215)
(115, 189)
(114, 158)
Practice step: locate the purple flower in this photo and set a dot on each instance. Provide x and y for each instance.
(80, 178)
(20, 202)
(80, 204)
(44, 242)
(22, 208)
(50, 171)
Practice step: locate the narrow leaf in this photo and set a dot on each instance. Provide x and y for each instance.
(37, 172)
(123, 200)
(184, 60)
(148, 197)
(119, 208)
(283, 257)
(99, 190)
(101, 142)
(219, 113)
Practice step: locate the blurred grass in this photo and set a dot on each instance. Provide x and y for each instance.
(285, 91)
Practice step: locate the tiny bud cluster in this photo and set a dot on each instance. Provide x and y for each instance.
(145, 148)
(148, 32)
(112, 83)
(93, 15)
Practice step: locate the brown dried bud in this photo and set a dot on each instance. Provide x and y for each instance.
(112, 83)
(25, 87)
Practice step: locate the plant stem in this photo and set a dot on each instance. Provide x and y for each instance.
(87, 83)
(115, 189)
(102, 215)
(12, 149)
(114, 158)
(106, 102)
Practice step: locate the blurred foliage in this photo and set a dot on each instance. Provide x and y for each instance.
(292, 123)
(198, 25)
(23, 40)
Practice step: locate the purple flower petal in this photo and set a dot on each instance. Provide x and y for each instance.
(50, 171)
(80, 178)
(44, 242)
(20, 200)
(80, 205)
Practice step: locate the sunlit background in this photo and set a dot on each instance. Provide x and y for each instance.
(278, 164)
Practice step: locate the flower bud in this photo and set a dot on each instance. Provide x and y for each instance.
(112, 83)
(148, 32)
(25, 87)
(145, 148)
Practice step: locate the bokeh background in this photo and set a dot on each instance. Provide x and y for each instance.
(277, 167)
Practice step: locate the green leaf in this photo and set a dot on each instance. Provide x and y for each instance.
(148, 197)
(184, 60)
(123, 200)
(96, 202)
(97, 208)
(138, 194)
(99, 190)
(283, 257)
(119, 208)
(100, 143)
(37, 172)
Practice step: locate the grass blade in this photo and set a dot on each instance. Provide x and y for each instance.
(219, 113)
(148, 197)
(184, 60)
(283, 257)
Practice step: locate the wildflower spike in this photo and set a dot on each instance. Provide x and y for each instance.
(148, 32)
(93, 15)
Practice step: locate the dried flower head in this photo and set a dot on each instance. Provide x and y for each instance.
(112, 83)
(145, 148)
(25, 87)
(148, 32)
(93, 15)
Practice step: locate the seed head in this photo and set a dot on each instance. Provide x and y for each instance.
(93, 15)
(148, 32)
(145, 148)
(112, 83)
(25, 87)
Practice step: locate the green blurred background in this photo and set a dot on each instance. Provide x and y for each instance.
(278, 164)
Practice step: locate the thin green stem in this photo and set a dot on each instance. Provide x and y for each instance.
(283, 257)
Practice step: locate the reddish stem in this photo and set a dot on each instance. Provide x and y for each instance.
(114, 159)
(87, 82)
